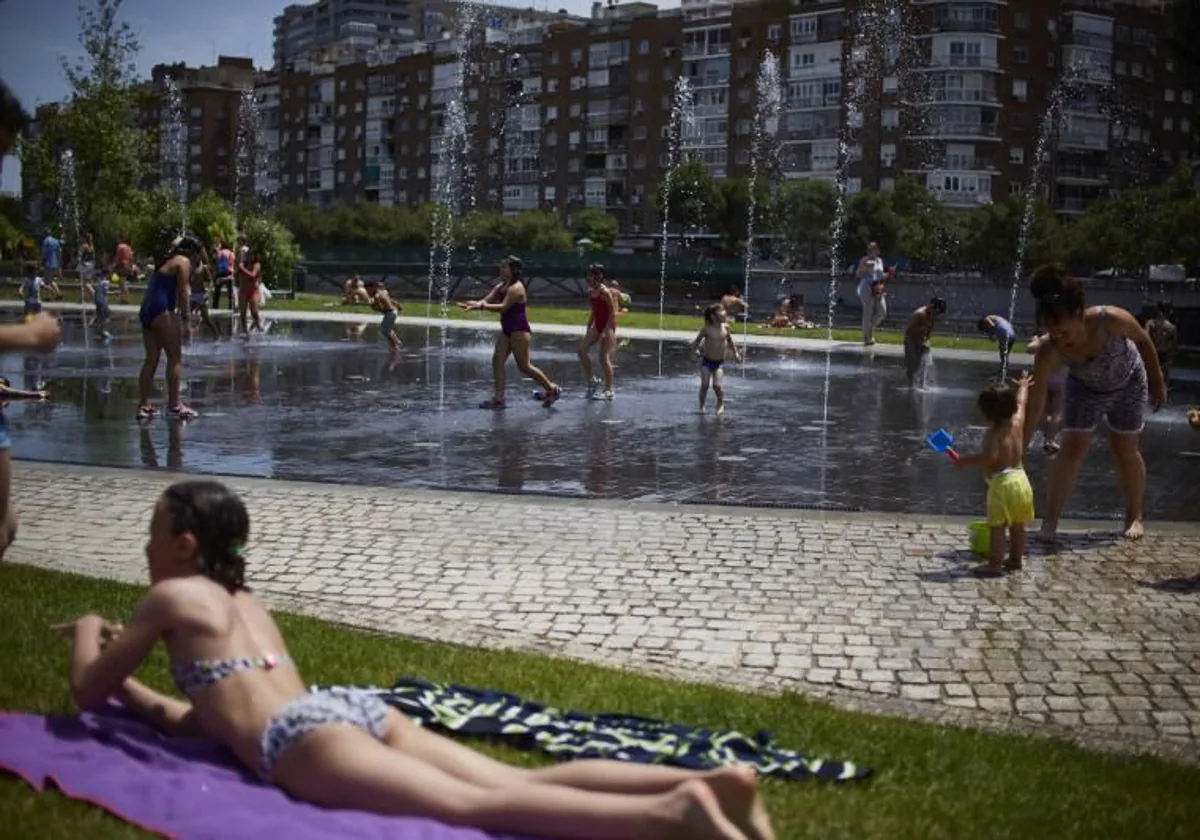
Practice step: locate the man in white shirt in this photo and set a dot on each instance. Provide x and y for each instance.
(870, 276)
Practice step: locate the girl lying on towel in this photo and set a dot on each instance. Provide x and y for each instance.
(350, 749)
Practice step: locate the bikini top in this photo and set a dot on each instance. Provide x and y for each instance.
(1109, 369)
(190, 677)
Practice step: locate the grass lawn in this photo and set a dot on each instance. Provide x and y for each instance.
(929, 782)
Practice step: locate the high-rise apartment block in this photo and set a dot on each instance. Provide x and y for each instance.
(568, 112)
(306, 28)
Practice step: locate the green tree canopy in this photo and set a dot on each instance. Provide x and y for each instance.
(803, 212)
(731, 217)
(692, 199)
(597, 225)
(96, 124)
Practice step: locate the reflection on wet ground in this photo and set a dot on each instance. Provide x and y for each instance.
(316, 402)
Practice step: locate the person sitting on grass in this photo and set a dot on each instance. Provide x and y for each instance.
(355, 292)
(1009, 495)
(350, 750)
(784, 316)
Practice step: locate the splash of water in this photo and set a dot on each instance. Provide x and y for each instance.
(245, 148)
(681, 125)
(68, 211)
(174, 146)
(1066, 86)
(769, 89)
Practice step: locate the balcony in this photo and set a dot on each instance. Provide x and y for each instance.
(1080, 174)
(815, 103)
(960, 198)
(968, 130)
(983, 62)
(1070, 204)
(817, 132)
(1088, 39)
(709, 80)
(1081, 140)
(720, 110)
(958, 164)
(948, 25)
(522, 177)
(705, 50)
(831, 69)
(966, 95)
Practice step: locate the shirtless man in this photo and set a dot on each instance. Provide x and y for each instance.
(918, 336)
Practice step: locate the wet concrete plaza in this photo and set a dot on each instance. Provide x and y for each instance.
(304, 402)
(1098, 642)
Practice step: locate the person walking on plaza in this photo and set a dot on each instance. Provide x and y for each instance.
(601, 329)
(871, 292)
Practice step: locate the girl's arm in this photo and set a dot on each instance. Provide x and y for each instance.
(8, 393)
(166, 714)
(97, 672)
(183, 286)
(1121, 323)
(699, 339)
(511, 298)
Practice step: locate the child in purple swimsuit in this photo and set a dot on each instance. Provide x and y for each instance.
(508, 297)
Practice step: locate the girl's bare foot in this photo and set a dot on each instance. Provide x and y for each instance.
(1134, 529)
(1048, 531)
(737, 791)
(693, 812)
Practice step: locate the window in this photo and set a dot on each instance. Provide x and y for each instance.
(578, 82)
(1021, 20)
(642, 76)
(742, 156)
(774, 33)
(743, 66)
(1135, 69)
(197, 112)
(887, 154)
(1020, 90)
(1168, 124)
(639, 161)
(665, 103)
(804, 27)
(1016, 155)
(1014, 187)
(1170, 94)
(573, 165)
(402, 173)
(341, 154)
(358, 107)
(553, 59)
(890, 84)
(551, 113)
(1050, 60)
(342, 110)
(573, 139)
(804, 60)
(1185, 125)
(552, 138)
(1021, 54)
(743, 127)
(576, 57)
(640, 132)
(194, 149)
(889, 118)
(668, 74)
(473, 95)
(643, 47)
(552, 86)
(1119, 68)
(575, 109)
(743, 94)
(341, 177)
(1186, 98)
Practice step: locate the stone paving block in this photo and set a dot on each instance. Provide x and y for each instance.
(769, 599)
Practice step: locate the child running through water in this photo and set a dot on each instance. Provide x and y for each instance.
(98, 290)
(717, 339)
(1010, 495)
(31, 291)
(382, 302)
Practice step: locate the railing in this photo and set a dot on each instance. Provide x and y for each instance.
(984, 61)
(702, 50)
(950, 25)
(712, 110)
(1082, 141)
(1070, 204)
(1088, 173)
(1088, 39)
(965, 96)
(960, 196)
(962, 129)
(814, 102)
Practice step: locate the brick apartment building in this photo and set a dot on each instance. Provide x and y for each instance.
(566, 112)
(573, 112)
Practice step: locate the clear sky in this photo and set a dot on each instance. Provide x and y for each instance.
(34, 34)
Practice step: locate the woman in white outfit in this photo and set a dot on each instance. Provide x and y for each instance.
(871, 292)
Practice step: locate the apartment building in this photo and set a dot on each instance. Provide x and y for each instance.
(303, 29)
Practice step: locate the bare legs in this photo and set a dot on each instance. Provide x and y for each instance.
(1063, 475)
(338, 766)
(1010, 537)
(608, 343)
(1131, 472)
(149, 365)
(717, 380)
(499, 357)
(519, 344)
(249, 301)
(162, 337)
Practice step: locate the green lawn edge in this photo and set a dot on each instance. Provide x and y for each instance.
(929, 781)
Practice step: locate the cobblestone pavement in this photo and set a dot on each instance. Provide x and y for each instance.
(869, 611)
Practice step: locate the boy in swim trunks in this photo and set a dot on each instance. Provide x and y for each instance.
(1010, 495)
(918, 338)
(382, 302)
(31, 291)
(717, 340)
(99, 290)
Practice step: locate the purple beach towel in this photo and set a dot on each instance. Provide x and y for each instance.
(180, 787)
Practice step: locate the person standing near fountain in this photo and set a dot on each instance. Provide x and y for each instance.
(164, 315)
(918, 338)
(249, 271)
(223, 278)
(602, 329)
(1000, 331)
(124, 268)
(871, 292)
(1112, 371)
(509, 298)
(51, 257)
(717, 341)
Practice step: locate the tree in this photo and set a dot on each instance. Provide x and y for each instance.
(803, 213)
(731, 217)
(597, 225)
(991, 234)
(95, 124)
(689, 195)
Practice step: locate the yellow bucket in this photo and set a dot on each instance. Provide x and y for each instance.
(981, 537)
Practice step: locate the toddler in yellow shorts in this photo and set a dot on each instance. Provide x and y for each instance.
(1010, 495)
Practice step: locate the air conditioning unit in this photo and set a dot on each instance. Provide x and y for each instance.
(744, 43)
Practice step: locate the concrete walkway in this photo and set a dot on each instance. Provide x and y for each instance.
(340, 315)
(870, 611)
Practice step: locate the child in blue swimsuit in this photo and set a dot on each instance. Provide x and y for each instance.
(718, 345)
